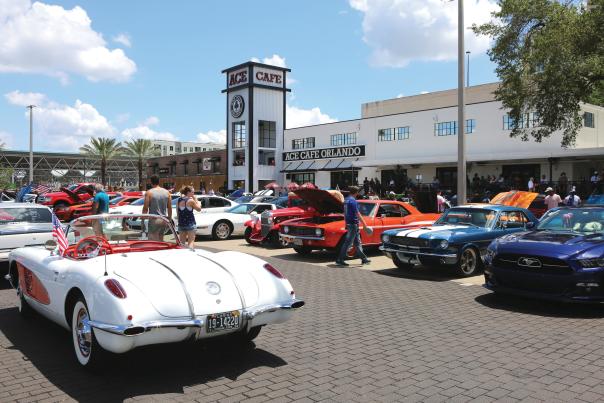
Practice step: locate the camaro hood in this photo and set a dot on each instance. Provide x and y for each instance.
(325, 202)
(438, 232)
(516, 198)
(170, 279)
(550, 243)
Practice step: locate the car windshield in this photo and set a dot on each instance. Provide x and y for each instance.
(116, 200)
(18, 215)
(118, 229)
(366, 209)
(138, 202)
(243, 199)
(582, 220)
(241, 209)
(72, 187)
(476, 217)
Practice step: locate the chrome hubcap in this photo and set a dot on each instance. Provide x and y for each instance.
(468, 261)
(84, 333)
(223, 230)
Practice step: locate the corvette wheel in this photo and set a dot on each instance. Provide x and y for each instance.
(24, 309)
(401, 264)
(247, 234)
(469, 262)
(221, 230)
(87, 350)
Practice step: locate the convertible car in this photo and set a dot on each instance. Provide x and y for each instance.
(562, 258)
(458, 238)
(325, 229)
(116, 288)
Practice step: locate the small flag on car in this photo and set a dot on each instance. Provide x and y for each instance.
(59, 234)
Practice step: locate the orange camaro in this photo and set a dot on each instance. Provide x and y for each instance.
(326, 229)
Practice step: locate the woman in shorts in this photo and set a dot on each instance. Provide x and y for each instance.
(186, 220)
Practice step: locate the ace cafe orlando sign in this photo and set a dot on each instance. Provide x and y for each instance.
(261, 76)
(325, 153)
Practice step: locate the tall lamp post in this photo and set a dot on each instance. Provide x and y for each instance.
(468, 68)
(31, 142)
(461, 119)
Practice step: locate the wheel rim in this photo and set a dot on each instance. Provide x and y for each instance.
(83, 333)
(468, 261)
(223, 230)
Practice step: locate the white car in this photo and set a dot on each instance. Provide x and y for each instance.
(209, 204)
(116, 288)
(231, 222)
(23, 224)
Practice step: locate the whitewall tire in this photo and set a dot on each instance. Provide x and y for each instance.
(87, 350)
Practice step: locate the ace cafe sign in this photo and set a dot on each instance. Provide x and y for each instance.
(273, 78)
(324, 153)
(238, 77)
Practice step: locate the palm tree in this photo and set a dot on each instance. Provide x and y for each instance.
(141, 149)
(103, 149)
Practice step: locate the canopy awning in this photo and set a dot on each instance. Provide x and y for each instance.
(299, 166)
(339, 165)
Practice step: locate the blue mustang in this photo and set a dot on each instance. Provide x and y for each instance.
(562, 258)
(458, 238)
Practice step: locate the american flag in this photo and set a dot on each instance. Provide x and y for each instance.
(39, 189)
(59, 234)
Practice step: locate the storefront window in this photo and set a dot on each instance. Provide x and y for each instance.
(343, 179)
(303, 177)
(239, 157)
(239, 135)
(267, 133)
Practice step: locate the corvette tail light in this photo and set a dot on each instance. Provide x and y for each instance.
(115, 288)
(273, 271)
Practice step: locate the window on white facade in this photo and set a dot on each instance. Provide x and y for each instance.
(343, 139)
(470, 125)
(402, 133)
(267, 133)
(239, 157)
(266, 157)
(588, 120)
(298, 144)
(385, 135)
(239, 135)
(304, 177)
(445, 128)
(510, 124)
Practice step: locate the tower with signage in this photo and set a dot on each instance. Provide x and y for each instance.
(255, 122)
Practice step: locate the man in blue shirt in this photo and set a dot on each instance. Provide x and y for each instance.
(101, 200)
(352, 217)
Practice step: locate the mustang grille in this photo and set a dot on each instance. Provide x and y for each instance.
(532, 264)
(302, 231)
(404, 241)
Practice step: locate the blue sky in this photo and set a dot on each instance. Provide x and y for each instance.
(152, 69)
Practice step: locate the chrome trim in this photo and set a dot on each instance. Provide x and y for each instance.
(312, 238)
(255, 311)
(536, 267)
(183, 285)
(146, 326)
(450, 256)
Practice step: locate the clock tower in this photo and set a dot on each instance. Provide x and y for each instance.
(255, 121)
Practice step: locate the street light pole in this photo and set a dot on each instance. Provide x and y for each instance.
(461, 119)
(31, 142)
(468, 69)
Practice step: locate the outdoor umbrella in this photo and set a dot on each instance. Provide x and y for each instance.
(293, 186)
(272, 185)
(308, 185)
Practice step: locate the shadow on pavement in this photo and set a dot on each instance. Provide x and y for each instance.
(541, 307)
(424, 273)
(145, 371)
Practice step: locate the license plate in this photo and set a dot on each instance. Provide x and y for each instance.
(223, 321)
(298, 242)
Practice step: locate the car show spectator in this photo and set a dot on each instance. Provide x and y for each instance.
(531, 185)
(158, 201)
(186, 219)
(552, 199)
(352, 216)
(572, 199)
(563, 183)
(441, 203)
(101, 200)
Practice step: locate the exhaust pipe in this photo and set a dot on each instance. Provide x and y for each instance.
(133, 331)
(298, 304)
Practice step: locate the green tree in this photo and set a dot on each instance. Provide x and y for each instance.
(141, 149)
(550, 60)
(104, 149)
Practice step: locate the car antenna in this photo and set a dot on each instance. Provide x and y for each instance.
(105, 253)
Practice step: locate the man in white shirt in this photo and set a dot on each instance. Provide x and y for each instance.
(552, 200)
(440, 202)
(594, 178)
(531, 185)
(572, 199)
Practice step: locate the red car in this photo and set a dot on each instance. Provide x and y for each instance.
(68, 196)
(264, 229)
(69, 213)
(325, 229)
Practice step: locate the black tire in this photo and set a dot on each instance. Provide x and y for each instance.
(60, 204)
(401, 264)
(25, 310)
(87, 351)
(247, 234)
(222, 230)
(469, 263)
(303, 250)
(275, 240)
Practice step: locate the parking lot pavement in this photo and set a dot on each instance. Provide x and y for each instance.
(364, 336)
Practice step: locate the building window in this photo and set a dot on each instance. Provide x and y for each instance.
(535, 119)
(588, 120)
(298, 144)
(470, 125)
(510, 124)
(343, 139)
(197, 149)
(303, 177)
(445, 128)
(266, 157)
(267, 133)
(171, 148)
(239, 135)
(185, 168)
(239, 157)
(343, 179)
(402, 133)
(385, 135)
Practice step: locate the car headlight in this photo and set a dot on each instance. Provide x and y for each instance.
(590, 263)
(385, 238)
(444, 244)
(318, 232)
(285, 229)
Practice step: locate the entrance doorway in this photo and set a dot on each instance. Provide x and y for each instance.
(447, 177)
(518, 175)
(343, 179)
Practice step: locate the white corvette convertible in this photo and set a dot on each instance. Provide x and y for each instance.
(116, 288)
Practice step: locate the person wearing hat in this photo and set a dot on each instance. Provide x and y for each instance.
(552, 199)
(572, 199)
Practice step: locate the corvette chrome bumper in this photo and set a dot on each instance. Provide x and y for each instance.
(140, 328)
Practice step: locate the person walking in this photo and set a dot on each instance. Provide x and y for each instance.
(101, 200)
(186, 219)
(552, 199)
(352, 216)
(159, 202)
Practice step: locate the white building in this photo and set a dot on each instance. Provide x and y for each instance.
(168, 147)
(415, 134)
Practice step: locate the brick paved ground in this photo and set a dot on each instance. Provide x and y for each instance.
(363, 336)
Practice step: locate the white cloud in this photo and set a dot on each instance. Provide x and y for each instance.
(122, 117)
(274, 60)
(6, 139)
(400, 95)
(48, 39)
(123, 39)
(212, 137)
(25, 98)
(424, 92)
(151, 121)
(143, 131)
(401, 31)
(298, 117)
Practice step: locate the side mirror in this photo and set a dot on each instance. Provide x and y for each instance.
(50, 245)
(530, 225)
